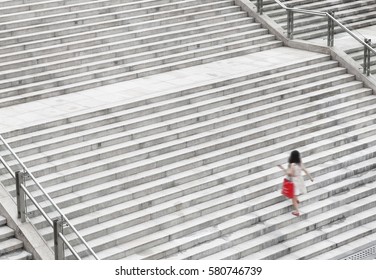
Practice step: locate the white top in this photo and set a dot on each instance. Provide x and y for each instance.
(297, 179)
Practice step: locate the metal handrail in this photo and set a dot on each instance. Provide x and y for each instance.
(50, 200)
(326, 14)
(352, 34)
(366, 43)
(44, 214)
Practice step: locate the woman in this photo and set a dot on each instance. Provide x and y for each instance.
(294, 171)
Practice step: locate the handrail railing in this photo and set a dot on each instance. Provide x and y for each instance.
(331, 20)
(50, 222)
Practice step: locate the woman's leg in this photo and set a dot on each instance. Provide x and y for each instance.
(295, 204)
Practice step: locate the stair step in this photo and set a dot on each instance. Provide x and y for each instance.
(17, 255)
(6, 233)
(3, 221)
(10, 245)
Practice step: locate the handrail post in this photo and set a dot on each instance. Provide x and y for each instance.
(330, 29)
(260, 5)
(58, 242)
(367, 58)
(290, 24)
(20, 197)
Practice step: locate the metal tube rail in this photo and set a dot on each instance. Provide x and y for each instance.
(7, 167)
(69, 246)
(331, 17)
(50, 199)
(351, 33)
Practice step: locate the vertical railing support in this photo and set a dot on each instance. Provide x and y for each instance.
(21, 213)
(58, 242)
(260, 5)
(330, 29)
(290, 24)
(367, 58)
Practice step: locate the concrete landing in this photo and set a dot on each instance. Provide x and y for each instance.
(41, 111)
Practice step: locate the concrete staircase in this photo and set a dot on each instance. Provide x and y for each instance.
(192, 173)
(50, 48)
(11, 248)
(188, 173)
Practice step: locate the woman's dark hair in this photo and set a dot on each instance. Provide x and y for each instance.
(295, 157)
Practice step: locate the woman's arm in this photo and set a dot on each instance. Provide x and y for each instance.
(306, 172)
(288, 172)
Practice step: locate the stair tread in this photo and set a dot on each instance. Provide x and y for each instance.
(17, 255)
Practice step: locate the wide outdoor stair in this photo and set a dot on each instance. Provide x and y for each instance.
(50, 48)
(11, 248)
(192, 173)
(353, 14)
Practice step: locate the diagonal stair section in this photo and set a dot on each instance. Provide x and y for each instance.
(357, 16)
(353, 14)
(11, 248)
